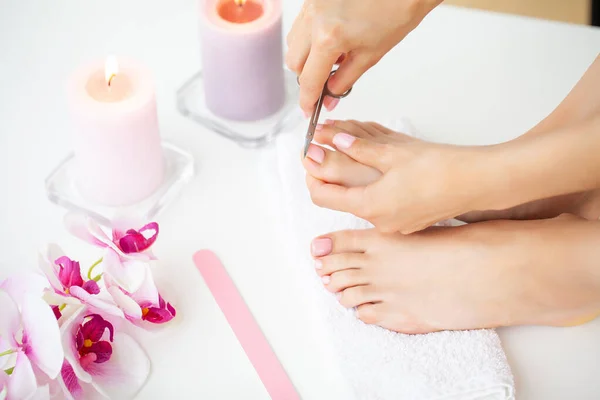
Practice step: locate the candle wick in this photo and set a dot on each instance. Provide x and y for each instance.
(110, 79)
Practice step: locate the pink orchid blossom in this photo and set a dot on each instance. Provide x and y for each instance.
(128, 243)
(128, 249)
(144, 306)
(99, 359)
(68, 286)
(29, 342)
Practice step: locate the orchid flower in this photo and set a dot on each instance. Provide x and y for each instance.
(99, 359)
(29, 342)
(68, 286)
(129, 248)
(144, 305)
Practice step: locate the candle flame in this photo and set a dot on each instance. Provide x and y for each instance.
(111, 68)
(239, 3)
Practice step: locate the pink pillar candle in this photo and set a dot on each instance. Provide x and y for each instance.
(115, 132)
(242, 58)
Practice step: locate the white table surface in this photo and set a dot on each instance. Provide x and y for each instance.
(463, 77)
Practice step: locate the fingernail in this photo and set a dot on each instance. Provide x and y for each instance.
(306, 114)
(343, 140)
(332, 104)
(338, 296)
(318, 264)
(326, 279)
(316, 153)
(321, 247)
(319, 127)
(329, 122)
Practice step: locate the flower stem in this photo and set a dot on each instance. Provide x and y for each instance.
(89, 274)
(97, 277)
(7, 352)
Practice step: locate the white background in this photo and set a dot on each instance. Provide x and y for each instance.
(462, 77)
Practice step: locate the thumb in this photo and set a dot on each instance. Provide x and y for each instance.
(364, 151)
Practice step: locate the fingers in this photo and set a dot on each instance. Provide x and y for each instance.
(336, 197)
(299, 42)
(367, 152)
(353, 67)
(335, 167)
(314, 75)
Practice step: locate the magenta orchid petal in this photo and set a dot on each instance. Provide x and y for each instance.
(91, 287)
(21, 383)
(171, 309)
(10, 320)
(68, 331)
(138, 241)
(131, 309)
(71, 383)
(69, 272)
(102, 350)
(94, 328)
(158, 315)
(41, 336)
(128, 274)
(125, 373)
(56, 311)
(96, 302)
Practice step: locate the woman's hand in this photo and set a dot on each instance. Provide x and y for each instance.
(396, 182)
(354, 33)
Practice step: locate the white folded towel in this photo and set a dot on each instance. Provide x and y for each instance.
(379, 364)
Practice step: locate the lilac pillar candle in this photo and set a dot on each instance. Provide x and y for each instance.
(242, 58)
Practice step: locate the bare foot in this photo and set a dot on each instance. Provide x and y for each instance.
(482, 275)
(335, 167)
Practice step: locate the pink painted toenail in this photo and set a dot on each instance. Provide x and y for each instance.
(343, 140)
(318, 264)
(326, 279)
(321, 247)
(316, 153)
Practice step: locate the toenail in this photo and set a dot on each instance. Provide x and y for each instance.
(318, 264)
(326, 279)
(343, 140)
(321, 247)
(316, 153)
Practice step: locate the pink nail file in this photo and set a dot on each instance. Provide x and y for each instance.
(247, 331)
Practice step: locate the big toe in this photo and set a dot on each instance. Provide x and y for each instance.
(349, 241)
(335, 167)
